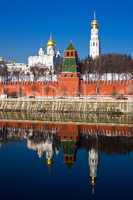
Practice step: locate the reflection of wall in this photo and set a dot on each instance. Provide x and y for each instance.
(68, 132)
(72, 131)
(107, 130)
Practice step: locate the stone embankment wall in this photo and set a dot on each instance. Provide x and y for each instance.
(62, 105)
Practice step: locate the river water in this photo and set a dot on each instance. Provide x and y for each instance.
(75, 157)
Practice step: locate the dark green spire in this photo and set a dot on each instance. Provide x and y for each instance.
(70, 47)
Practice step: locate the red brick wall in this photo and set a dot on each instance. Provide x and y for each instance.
(69, 85)
(106, 87)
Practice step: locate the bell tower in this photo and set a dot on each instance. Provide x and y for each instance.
(94, 41)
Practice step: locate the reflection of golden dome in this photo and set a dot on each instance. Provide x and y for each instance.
(93, 180)
(51, 42)
(49, 162)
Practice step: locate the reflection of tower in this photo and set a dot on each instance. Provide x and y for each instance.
(49, 151)
(69, 152)
(94, 42)
(69, 137)
(93, 164)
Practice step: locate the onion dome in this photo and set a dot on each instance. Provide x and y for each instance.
(51, 42)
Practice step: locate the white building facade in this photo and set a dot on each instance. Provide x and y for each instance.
(94, 41)
(16, 67)
(46, 58)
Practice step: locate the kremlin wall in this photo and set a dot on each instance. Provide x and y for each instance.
(68, 84)
(67, 87)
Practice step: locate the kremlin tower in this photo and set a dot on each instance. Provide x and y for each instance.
(70, 77)
(70, 62)
(94, 41)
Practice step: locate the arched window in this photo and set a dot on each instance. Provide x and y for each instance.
(68, 54)
(72, 53)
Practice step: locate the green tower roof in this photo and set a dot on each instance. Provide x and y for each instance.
(70, 61)
(70, 47)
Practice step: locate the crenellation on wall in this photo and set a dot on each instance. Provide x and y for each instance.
(68, 86)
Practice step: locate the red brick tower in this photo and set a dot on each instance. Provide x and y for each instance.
(70, 77)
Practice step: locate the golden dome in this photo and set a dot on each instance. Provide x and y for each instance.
(94, 23)
(51, 42)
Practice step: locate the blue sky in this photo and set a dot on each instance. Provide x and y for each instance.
(26, 24)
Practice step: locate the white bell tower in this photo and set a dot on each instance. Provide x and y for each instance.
(94, 41)
(93, 164)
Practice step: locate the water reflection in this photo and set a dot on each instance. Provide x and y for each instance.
(68, 116)
(50, 139)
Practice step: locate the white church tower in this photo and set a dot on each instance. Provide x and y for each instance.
(94, 41)
(93, 165)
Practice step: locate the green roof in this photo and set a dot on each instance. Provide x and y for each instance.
(70, 47)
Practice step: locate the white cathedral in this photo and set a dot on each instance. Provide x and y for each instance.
(46, 58)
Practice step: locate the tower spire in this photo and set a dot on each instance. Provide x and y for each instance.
(94, 15)
(50, 37)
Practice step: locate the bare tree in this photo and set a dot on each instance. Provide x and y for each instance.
(110, 63)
